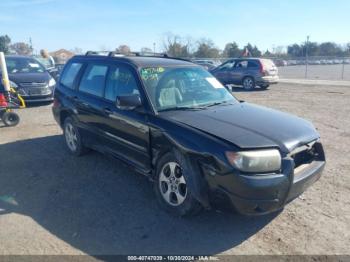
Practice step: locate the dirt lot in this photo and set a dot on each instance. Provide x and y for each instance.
(53, 203)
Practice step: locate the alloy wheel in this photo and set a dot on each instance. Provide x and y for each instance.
(248, 83)
(172, 184)
(71, 137)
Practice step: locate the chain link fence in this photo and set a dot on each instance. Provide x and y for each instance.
(315, 67)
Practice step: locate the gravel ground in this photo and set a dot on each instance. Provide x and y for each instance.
(323, 72)
(53, 203)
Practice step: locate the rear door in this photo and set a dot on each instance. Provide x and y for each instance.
(126, 131)
(88, 101)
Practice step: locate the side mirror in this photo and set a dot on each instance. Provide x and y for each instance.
(128, 102)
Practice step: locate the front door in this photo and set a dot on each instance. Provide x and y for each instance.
(125, 131)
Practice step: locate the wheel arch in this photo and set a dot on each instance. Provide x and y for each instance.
(190, 148)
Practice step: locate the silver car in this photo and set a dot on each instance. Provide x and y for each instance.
(248, 72)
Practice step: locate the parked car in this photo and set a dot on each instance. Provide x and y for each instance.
(280, 62)
(49, 66)
(30, 79)
(206, 66)
(248, 72)
(172, 121)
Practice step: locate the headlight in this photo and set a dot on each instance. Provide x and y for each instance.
(13, 84)
(52, 82)
(258, 161)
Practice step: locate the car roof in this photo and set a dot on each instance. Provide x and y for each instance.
(140, 61)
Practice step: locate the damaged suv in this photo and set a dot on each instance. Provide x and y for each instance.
(175, 123)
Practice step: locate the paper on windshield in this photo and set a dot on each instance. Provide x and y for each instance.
(33, 65)
(214, 82)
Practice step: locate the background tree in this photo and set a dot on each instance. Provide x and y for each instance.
(347, 48)
(176, 46)
(267, 53)
(5, 41)
(124, 49)
(294, 50)
(22, 48)
(232, 50)
(253, 50)
(206, 49)
(329, 49)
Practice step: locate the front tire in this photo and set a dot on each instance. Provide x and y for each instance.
(73, 138)
(171, 188)
(248, 83)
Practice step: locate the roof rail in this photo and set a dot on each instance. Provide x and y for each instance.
(140, 54)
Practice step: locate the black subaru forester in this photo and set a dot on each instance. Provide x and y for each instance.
(175, 123)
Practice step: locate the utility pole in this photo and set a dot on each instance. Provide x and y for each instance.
(154, 48)
(306, 55)
(31, 45)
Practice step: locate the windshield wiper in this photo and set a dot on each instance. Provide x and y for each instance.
(219, 103)
(184, 108)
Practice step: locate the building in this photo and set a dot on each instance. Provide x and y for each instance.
(61, 56)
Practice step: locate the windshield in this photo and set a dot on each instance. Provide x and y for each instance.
(187, 87)
(45, 62)
(23, 65)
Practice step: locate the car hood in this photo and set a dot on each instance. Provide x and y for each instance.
(29, 77)
(249, 126)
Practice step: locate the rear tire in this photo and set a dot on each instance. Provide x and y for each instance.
(73, 138)
(248, 83)
(171, 189)
(10, 118)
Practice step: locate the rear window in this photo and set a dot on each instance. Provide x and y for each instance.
(267, 63)
(93, 80)
(69, 74)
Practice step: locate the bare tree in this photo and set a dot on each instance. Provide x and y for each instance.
(176, 46)
(22, 48)
(206, 49)
(124, 49)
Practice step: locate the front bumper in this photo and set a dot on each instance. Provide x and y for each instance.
(38, 99)
(261, 194)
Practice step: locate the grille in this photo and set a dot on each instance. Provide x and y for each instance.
(33, 84)
(34, 88)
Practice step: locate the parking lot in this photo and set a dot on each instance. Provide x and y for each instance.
(54, 203)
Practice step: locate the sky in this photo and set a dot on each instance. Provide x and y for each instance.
(106, 24)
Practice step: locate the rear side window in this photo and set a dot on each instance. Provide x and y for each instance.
(120, 81)
(242, 64)
(267, 63)
(93, 80)
(70, 74)
(253, 64)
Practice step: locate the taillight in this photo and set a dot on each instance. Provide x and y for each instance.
(3, 101)
(262, 69)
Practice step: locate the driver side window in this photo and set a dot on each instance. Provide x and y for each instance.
(120, 81)
(227, 66)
